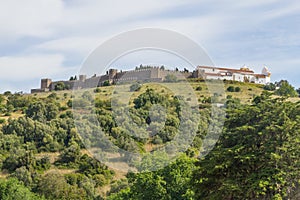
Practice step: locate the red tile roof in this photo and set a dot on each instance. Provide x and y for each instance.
(228, 69)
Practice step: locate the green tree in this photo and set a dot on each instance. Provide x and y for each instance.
(60, 86)
(36, 111)
(18, 101)
(70, 155)
(23, 175)
(97, 90)
(298, 91)
(106, 83)
(2, 98)
(286, 90)
(270, 87)
(52, 111)
(171, 78)
(12, 189)
(54, 186)
(237, 89)
(171, 182)
(53, 96)
(87, 95)
(135, 87)
(43, 163)
(91, 167)
(150, 97)
(7, 93)
(230, 89)
(199, 88)
(17, 158)
(257, 155)
(149, 186)
(32, 131)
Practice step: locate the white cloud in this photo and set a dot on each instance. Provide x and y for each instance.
(81, 45)
(27, 67)
(93, 12)
(204, 28)
(251, 3)
(60, 30)
(84, 25)
(284, 10)
(29, 18)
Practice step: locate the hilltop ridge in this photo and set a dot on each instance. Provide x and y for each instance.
(156, 74)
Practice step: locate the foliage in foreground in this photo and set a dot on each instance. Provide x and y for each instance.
(257, 156)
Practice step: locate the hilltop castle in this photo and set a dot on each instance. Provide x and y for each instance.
(158, 74)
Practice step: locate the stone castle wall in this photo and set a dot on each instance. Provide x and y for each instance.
(113, 76)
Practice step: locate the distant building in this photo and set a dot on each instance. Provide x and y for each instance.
(243, 74)
(45, 86)
(158, 74)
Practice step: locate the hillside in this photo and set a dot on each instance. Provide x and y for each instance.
(42, 153)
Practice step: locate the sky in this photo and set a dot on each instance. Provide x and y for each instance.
(52, 38)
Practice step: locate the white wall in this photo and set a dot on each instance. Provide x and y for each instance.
(235, 76)
(208, 70)
(214, 77)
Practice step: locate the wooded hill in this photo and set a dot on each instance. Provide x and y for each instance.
(256, 157)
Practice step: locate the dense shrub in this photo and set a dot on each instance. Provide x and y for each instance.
(199, 88)
(135, 87)
(233, 89)
(61, 86)
(106, 83)
(237, 89)
(171, 78)
(270, 87)
(14, 189)
(97, 90)
(286, 89)
(230, 89)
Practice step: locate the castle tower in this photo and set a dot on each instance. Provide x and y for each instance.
(112, 73)
(82, 78)
(266, 71)
(155, 73)
(45, 83)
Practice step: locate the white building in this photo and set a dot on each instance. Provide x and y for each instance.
(243, 74)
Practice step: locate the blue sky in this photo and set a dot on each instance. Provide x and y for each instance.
(51, 38)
